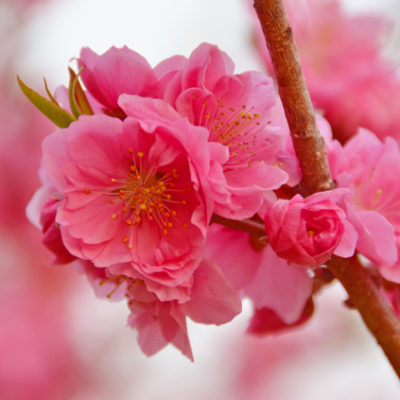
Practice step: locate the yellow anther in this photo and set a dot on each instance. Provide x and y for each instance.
(169, 224)
(114, 216)
(130, 247)
(173, 212)
(125, 239)
(86, 191)
(140, 154)
(129, 222)
(143, 206)
(113, 180)
(185, 225)
(184, 202)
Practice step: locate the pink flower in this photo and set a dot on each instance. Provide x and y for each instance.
(236, 111)
(212, 301)
(131, 196)
(39, 358)
(115, 72)
(308, 231)
(370, 169)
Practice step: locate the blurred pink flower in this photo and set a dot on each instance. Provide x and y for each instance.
(38, 359)
(342, 59)
(266, 320)
(308, 231)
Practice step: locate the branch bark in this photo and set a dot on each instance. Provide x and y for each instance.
(307, 141)
(309, 146)
(255, 228)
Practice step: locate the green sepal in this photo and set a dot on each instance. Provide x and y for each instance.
(51, 97)
(52, 111)
(77, 98)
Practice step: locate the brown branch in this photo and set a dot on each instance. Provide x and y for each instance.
(255, 228)
(309, 146)
(375, 311)
(307, 141)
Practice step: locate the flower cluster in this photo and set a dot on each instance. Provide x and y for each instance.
(176, 188)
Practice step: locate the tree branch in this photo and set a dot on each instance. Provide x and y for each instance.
(255, 228)
(307, 141)
(309, 146)
(375, 311)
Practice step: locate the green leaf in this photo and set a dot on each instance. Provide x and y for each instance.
(77, 97)
(53, 112)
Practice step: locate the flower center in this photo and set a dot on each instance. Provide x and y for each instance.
(239, 129)
(147, 194)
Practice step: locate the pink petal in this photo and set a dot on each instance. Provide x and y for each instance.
(109, 75)
(376, 237)
(205, 66)
(233, 253)
(282, 287)
(214, 301)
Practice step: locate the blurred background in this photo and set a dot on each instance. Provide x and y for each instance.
(57, 341)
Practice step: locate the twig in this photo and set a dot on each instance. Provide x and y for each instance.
(255, 228)
(376, 313)
(307, 141)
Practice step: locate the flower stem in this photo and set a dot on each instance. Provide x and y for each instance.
(307, 141)
(309, 146)
(255, 228)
